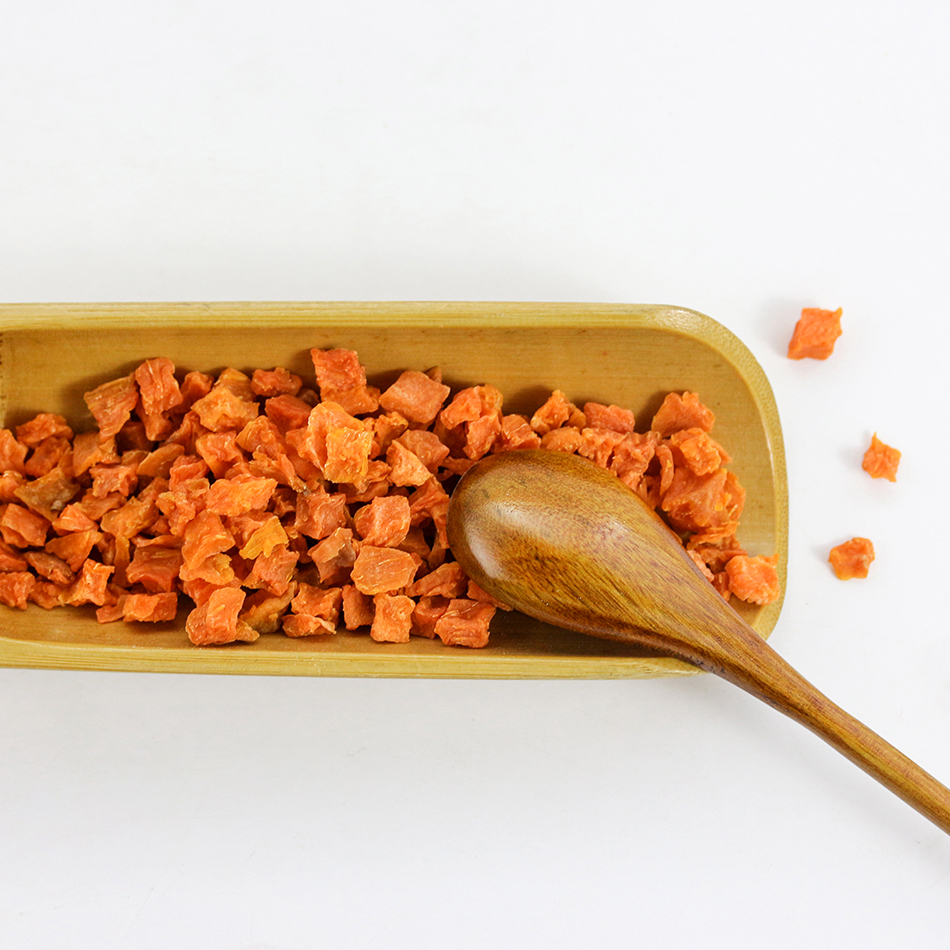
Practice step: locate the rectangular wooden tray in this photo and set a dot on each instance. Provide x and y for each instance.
(50, 354)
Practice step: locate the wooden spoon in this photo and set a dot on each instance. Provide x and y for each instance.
(565, 541)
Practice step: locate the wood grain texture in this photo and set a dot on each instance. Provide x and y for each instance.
(50, 354)
(564, 541)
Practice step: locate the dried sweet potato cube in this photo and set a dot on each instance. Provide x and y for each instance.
(700, 452)
(49, 494)
(406, 468)
(306, 625)
(12, 452)
(264, 611)
(222, 409)
(11, 559)
(392, 618)
(219, 450)
(23, 528)
(682, 412)
(49, 454)
(615, 418)
(342, 380)
(46, 594)
(416, 396)
(516, 433)
(481, 434)
(426, 614)
(357, 608)
(194, 386)
(206, 535)
(16, 587)
(426, 446)
(852, 558)
(50, 567)
(553, 414)
(158, 463)
(119, 478)
(474, 592)
(156, 568)
(447, 580)
(384, 522)
(335, 556)
(564, 439)
(815, 334)
(216, 620)
(275, 382)
(287, 412)
(267, 536)
(231, 496)
(754, 579)
(150, 608)
(320, 513)
(112, 404)
(465, 623)
(90, 586)
(74, 547)
(348, 453)
(273, 572)
(382, 570)
(880, 460)
(598, 444)
(159, 392)
(10, 482)
(262, 435)
(317, 601)
(465, 406)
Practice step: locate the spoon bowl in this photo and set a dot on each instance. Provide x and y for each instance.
(566, 542)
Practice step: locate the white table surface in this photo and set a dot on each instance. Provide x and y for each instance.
(745, 159)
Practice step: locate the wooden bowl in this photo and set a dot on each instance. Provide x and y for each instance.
(624, 354)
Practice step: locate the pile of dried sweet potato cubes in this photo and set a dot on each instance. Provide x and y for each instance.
(276, 506)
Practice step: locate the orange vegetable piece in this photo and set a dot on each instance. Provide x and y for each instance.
(815, 334)
(392, 618)
(275, 382)
(155, 568)
(23, 528)
(216, 620)
(426, 614)
(49, 494)
(880, 460)
(90, 586)
(12, 452)
(611, 417)
(682, 412)
(382, 570)
(16, 587)
(358, 608)
(74, 547)
(342, 379)
(49, 567)
(158, 393)
(465, 623)
(754, 579)
(852, 558)
(111, 404)
(406, 468)
(416, 396)
(384, 522)
(150, 608)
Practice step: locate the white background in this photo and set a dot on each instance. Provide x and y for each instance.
(745, 159)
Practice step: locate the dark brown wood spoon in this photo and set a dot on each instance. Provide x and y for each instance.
(566, 542)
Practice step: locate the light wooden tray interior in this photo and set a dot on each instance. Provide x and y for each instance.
(629, 355)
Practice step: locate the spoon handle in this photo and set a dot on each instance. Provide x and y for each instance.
(765, 674)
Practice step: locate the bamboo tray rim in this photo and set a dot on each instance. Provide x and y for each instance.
(386, 660)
